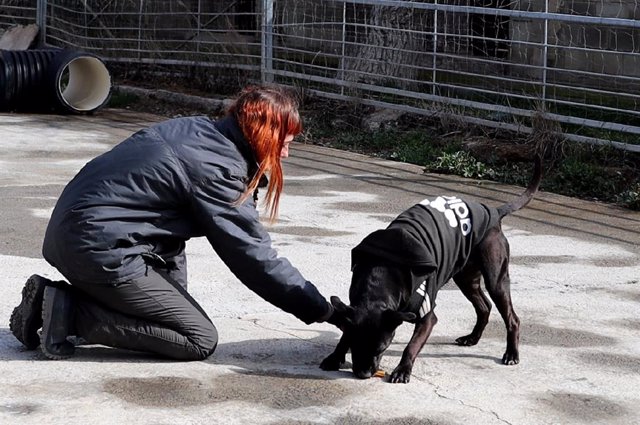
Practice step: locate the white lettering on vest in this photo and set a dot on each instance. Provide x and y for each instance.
(455, 211)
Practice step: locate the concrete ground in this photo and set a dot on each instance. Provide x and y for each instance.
(575, 285)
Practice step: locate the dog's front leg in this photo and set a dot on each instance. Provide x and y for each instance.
(402, 372)
(335, 360)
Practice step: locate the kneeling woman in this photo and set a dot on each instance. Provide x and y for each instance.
(119, 228)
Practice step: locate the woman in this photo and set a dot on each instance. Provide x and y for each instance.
(118, 233)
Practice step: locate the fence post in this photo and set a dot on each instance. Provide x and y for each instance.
(267, 41)
(41, 20)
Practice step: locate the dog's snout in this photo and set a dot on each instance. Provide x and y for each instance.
(367, 371)
(364, 367)
(363, 374)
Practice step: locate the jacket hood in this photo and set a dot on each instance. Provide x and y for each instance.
(229, 128)
(394, 245)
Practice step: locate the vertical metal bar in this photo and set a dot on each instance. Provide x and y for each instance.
(344, 47)
(267, 41)
(545, 52)
(199, 29)
(140, 29)
(434, 65)
(86, 26)
(41, 20)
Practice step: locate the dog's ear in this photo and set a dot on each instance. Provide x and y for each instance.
(392, 319)
(343, 314)
(339, 305)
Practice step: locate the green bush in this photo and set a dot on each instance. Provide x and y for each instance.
(630, 198)
(463, 164)
(574, 177)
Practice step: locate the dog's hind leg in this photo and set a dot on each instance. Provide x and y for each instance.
(494, 258)
(468, 280)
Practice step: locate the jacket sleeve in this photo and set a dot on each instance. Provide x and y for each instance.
(238, 237)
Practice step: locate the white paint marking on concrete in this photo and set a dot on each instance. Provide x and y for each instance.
(321, 177)
(41, 212)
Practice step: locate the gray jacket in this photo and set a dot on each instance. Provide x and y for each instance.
(163, 185)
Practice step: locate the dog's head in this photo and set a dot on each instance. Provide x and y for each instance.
(369, 332)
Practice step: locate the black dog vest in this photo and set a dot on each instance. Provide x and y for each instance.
(434, 239)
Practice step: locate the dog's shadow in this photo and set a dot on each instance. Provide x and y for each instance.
(435, 347)
(425, 354)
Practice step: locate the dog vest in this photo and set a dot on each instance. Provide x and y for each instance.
(435, 239)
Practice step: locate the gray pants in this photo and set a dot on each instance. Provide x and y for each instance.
(154, 314)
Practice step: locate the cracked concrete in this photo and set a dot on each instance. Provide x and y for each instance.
(575, 286)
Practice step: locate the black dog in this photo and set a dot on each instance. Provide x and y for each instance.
(398, 271)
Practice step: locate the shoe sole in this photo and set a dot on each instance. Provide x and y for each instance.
(47, 310)
(26, 318)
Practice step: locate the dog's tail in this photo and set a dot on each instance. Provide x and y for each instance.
(527, 195)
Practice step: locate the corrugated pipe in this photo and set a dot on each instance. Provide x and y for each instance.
(67, 81)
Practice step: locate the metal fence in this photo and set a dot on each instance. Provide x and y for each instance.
(491, 62)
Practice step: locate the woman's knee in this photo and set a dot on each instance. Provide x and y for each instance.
(205, 344)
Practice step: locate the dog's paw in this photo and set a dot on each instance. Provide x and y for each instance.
(332, 362)
(468, 340)
(511, 358)
(400, 375)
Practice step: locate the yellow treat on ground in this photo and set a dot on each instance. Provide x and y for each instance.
(379, 374)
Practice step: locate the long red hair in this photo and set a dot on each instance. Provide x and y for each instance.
(267, 115)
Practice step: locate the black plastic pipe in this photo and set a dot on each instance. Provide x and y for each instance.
(68, 81)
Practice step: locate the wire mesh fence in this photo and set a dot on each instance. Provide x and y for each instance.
(17, 12)
(158, 31)
(492, 62)
(497, 62)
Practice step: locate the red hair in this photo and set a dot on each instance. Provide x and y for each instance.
(267, 115)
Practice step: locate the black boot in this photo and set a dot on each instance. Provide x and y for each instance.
(26, 318)
(57, 317)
